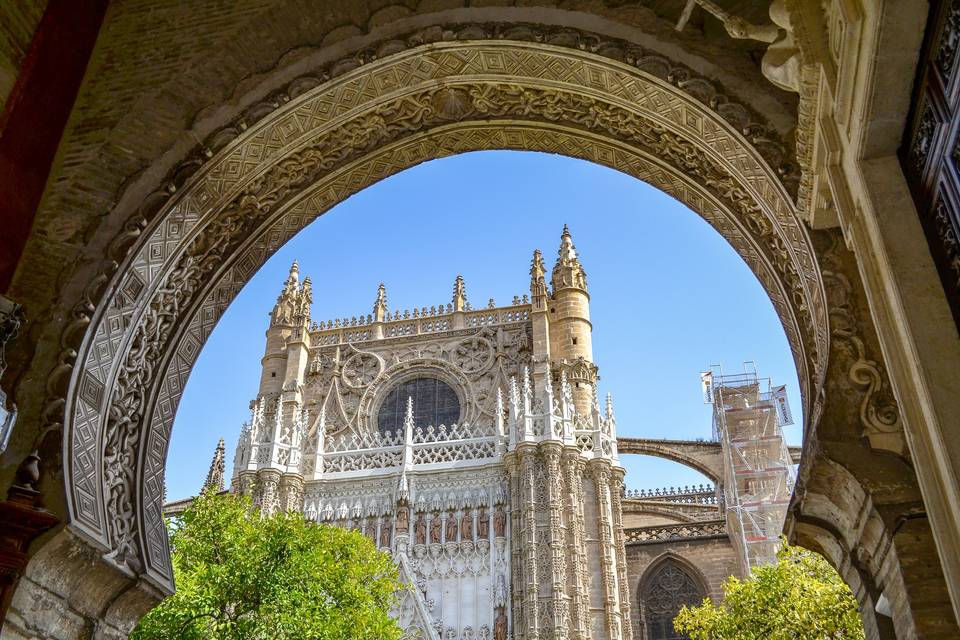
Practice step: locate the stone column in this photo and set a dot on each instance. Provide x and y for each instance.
(519, 587)
(528, 538)
(616, 491)
(576, 545)
(601, 477)
(291, 493)
(267, 491)
(21, 522)
(551, 456)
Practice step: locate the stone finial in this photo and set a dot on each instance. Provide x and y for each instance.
(408, 423)
(293, 279)
(459, 294)
(215, 481)
(293, 303)
(568, 272)
(538, 284)
(380, 305)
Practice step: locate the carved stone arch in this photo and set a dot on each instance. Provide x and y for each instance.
(405, 108)
(699, 456)
(659, 510)
(660, 595)
(839, 518)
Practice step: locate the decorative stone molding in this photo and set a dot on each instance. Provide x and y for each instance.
(685, 531)
(878, 410)
(226, 220)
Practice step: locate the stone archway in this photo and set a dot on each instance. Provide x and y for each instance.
(107, 358)
(336, 137)
(195, 241)
(667, 584)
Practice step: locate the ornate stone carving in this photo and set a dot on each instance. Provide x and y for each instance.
(784, 266)
(878, 411)
(361, 369)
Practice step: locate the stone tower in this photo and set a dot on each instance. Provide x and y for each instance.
(569, 327)
(268, 458)
(568, 555)
(456, 438)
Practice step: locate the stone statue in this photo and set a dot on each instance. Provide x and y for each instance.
(435, 529)
(420, 536)
(500, 625)
(385, 535)
(371, 531)
(402, 519)
(781, 62)
(451, 527)
(483, 525)
(466, 527)
(499, 523)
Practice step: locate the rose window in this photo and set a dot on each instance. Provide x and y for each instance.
(434, 403)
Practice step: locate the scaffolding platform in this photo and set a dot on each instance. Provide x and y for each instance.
(748, 419)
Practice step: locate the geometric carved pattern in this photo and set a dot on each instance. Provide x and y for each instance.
(359, 128)
(668, 589)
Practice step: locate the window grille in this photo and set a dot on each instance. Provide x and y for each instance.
(434, 403)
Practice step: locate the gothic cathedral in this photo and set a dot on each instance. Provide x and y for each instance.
(468, 442)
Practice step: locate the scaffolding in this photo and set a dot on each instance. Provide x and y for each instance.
(748, 419)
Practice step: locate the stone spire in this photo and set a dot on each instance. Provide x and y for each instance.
(568, 272)
(294, 278)
(459, 294)
(293, 303)
(538, 284)
(215, 474)
(380, 306)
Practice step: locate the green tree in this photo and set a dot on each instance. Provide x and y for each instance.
(240, 577)
(801, 597)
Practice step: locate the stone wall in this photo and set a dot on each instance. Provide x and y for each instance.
(712, 559)
(18, 20)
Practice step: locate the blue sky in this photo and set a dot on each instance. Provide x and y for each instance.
(669, 296)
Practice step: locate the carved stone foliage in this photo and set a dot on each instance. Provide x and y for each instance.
(474, 362)
(865, 384)
(336, 138)
(361, 369)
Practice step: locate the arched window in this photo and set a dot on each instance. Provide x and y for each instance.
(434, 403)
(665, 591)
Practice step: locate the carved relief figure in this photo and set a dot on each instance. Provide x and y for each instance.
(499, 523)
(385, 535)
(781, 62)
(420, 531)
(435, 529)
(500, 625)
(451, 527)
(402, 519)
(371, 531)
(483, 525)
(466, 527)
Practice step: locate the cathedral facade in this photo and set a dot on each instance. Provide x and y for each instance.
(470, 443)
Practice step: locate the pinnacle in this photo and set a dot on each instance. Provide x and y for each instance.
(215, 479)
